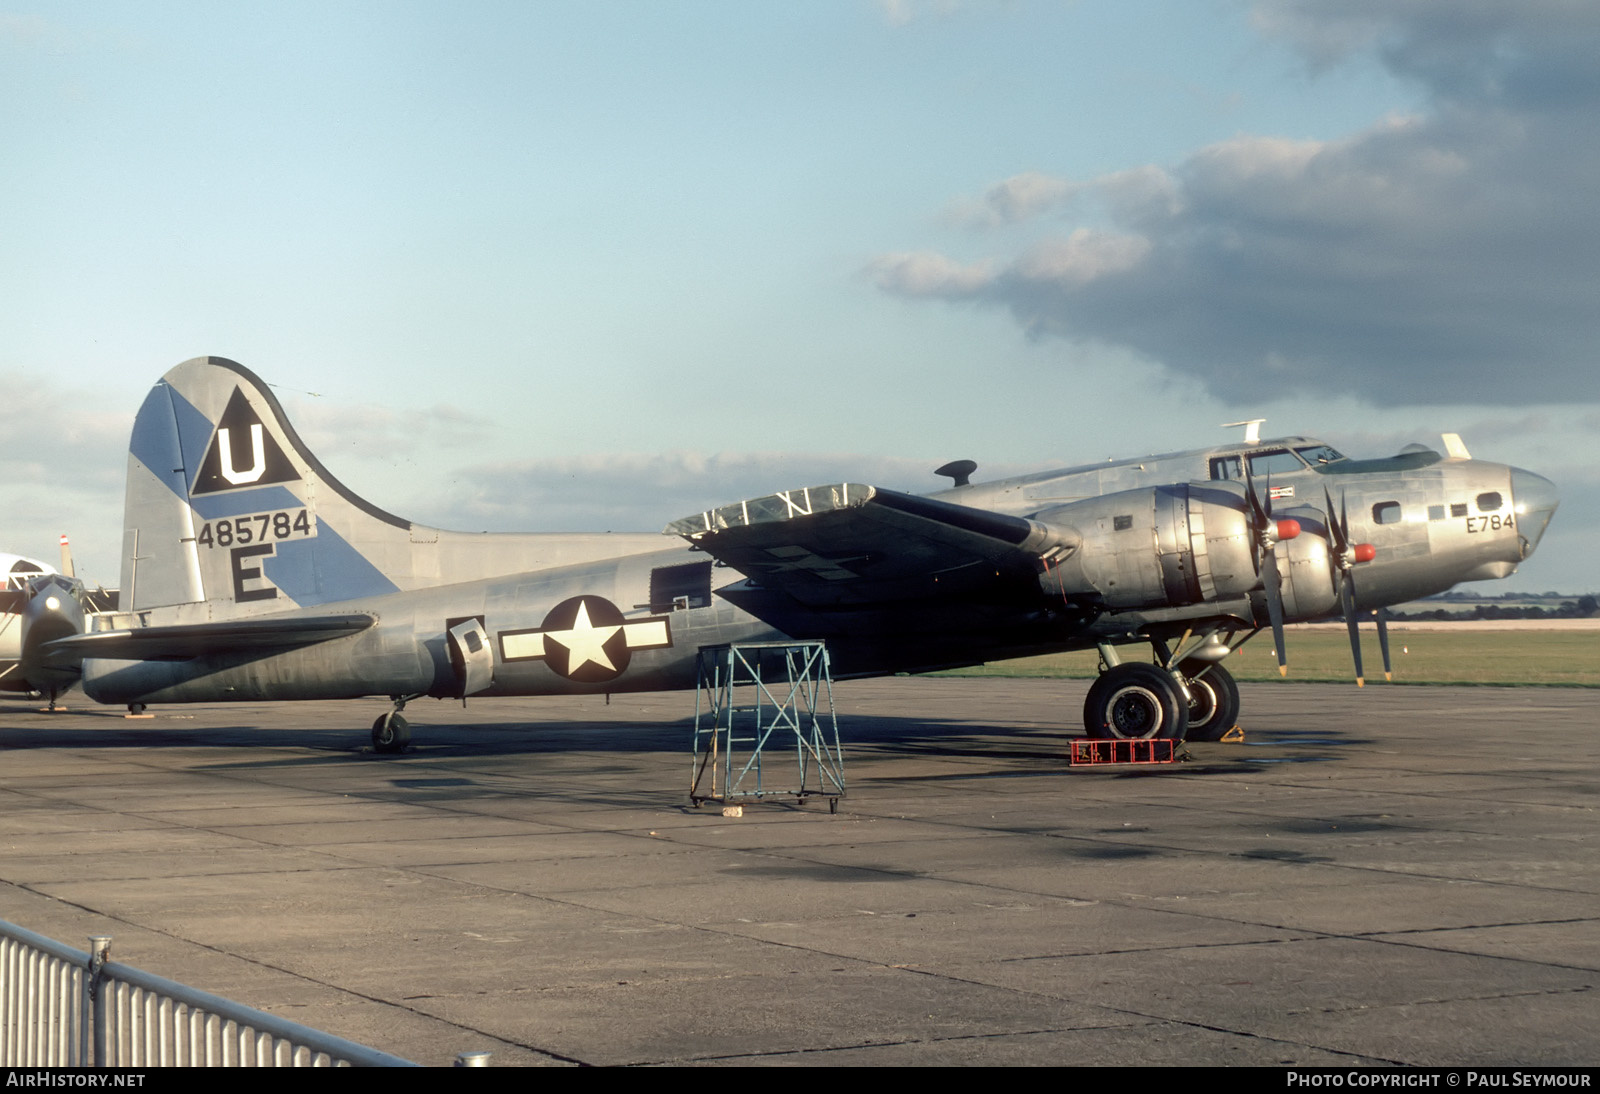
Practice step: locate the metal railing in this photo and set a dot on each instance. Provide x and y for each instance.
(61, 1007)
(44, 1007)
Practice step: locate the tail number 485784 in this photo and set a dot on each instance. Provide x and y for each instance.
(257, 528)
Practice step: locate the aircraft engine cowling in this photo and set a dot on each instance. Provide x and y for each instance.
(53, 611)
(1156, 547)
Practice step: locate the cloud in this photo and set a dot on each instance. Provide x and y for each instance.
(1083, 257)
(28, 31)
(901, 13)
(62, 468)
(34, 34)
(1024, 196)
(1127, 194)
(1447, 257)
(378, 432)
(1534, 55)
(924, 273)
(635, 492)
(1014, 200)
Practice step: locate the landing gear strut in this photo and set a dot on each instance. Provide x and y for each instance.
(392, 733)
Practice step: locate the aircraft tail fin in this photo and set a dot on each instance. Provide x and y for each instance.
(227, 506)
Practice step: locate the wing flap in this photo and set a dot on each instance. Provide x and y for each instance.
(849, 545)
(772, 508)
(179, 643)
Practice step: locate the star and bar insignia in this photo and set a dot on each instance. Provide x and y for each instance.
(587, 639)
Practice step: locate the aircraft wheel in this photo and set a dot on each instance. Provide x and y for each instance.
(390, 733)
(1213, 701)
(1136, 702)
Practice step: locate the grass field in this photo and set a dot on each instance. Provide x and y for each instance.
(1551, 658)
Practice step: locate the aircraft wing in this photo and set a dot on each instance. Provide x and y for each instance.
(848, 545)
(179, 643)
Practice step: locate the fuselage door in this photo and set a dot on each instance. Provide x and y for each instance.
(471, 657)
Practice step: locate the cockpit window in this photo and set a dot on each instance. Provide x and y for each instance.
(1226, 467)
(1318, 454)
(1279, 462)
(1274, 461)
(1488, 503)
(21, 571)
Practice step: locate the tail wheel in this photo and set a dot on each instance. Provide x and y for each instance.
(1213, 700)
(1136, 702)
(390, 733)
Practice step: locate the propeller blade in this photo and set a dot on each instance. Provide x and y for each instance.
(1270, 579)
(1258, 520)
(1347, 598)
(1345, 582)
(1336, 542)
(1383, 642)
(1263, 555)
(1333, 523)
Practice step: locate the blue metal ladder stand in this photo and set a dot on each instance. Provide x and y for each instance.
(757, 697)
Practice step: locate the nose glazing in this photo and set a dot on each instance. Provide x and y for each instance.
(1535, 499)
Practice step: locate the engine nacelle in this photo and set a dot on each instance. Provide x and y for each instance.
(1157, 547)
(1184, 544)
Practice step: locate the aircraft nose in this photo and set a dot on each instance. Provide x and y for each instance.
(1535, 498)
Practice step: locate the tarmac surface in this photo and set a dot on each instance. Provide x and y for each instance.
(1392, 875)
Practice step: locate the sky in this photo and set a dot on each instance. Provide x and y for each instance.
(596, 266)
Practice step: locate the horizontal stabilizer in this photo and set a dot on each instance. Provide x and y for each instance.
(179, 643)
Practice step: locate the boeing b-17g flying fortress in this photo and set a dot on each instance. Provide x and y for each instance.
(250, 573)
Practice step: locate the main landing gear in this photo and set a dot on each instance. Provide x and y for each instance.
(1137, 700)
(392, 733)
(1213, 700)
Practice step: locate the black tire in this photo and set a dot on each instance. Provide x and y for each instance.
(1213, 700)
(1136, 702)
(390, 733)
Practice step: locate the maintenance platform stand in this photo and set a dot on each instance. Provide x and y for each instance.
(759, 698)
